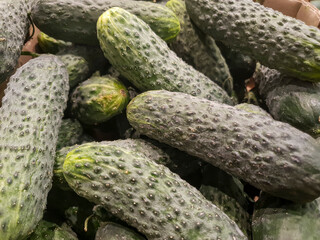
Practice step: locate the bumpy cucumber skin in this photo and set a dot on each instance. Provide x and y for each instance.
(78, 68)
(146, 60)
(193, 51)
(277, 41)
(146, 195)
(268, 154)
(51, 231)
(14, 29)
(70, 133)
(30, 118)
(113, 231)
(98, 99)
(75, 20)
(252, 109)
(290, 100)
(274, 218)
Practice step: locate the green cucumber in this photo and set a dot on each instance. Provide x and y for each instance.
(30, 118)
(193, 51)
(227, 193)
(78, 68)
(290, 100)
(75, 20)
(14, 29)
(51, 45)
(70, 133)
(146, 195)
(51, 231)
(98, 99)
(268, 154)
(277, 41)
(113, 231)
(277, 219)
(146, 60)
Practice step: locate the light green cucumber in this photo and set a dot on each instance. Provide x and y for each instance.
(30, 118)
(146, 60)
(144, 194)
(268, 154)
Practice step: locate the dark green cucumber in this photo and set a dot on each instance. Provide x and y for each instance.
(270, 155)
(193, 51)
(75, 20)
(113, 231)
(146, 60)
(277, 219)
(30, 119)
(227, 193)
(277, 41)
(70, 133)
(78, 68)
(98, 99)
(146, 195)
(14, 29)
(290, 100)
(51, 231)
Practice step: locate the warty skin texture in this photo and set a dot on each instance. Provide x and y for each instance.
(145, 59)
(75, 20)
(275, 40)
(146, 195)
(268, 154)
(30, 117)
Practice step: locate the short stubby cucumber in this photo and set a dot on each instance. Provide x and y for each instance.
(194, 51)
(30, 118)
(277, 219)
(146, 195)
(146, 60)
(290, 100)
(14, 29)
(268, 154)
(113, 231)
(75, 20)
(98, 99)
(275, 40)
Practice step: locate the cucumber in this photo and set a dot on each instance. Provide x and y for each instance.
(113, 231)
(193, 51)
(270, 155)
(51, 45)
(78, 68)
(70, 133)
(146, 60)
(275, 218)
(275, 40)
(146, 195)
(30, 118)
(13, 32)
(253, 109)
(51, 231)
(75, 20)
(98, 99)
(290, 100)
(227, 193)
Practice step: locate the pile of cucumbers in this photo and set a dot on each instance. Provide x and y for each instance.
(131, 122)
